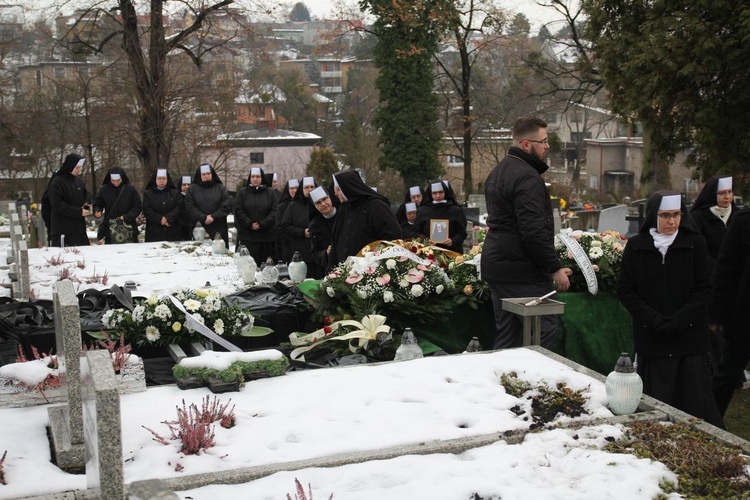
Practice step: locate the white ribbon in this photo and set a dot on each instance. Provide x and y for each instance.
(203, 329)
(395, 252)
(579, 255)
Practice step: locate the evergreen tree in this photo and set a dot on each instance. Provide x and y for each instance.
(408, 35)
(322, 165)
(299, 13)
(681, 69)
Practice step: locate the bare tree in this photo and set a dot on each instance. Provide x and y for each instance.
(148, 52)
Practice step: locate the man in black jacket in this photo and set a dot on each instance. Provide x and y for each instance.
(519, 258)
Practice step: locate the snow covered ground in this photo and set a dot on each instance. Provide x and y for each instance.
(313, 414)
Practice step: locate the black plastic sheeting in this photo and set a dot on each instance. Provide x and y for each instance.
(279, 307)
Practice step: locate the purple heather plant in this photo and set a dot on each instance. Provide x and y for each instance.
(301, 495)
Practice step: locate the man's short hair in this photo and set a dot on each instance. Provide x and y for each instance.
(527, 125)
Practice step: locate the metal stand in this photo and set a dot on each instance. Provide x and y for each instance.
(532, 315)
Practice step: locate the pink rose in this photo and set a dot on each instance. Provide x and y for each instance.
(383, 279)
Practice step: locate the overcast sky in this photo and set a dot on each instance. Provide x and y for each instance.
(537, 14)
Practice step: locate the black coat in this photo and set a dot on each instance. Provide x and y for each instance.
(667, 295)
(67, 194)
(293, 224)
(407, 230)
(114, 204)
(321, 236)
(256, 205)
(204, 199)
(165, 203)
(712, 228)
(732, 278)
(360, 223)
(519, 246)
(456, 226)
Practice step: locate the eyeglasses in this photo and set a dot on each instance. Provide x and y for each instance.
(543, 141)
(670, 215)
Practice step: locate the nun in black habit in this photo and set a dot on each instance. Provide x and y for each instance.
(323, 209)
(665, 284)
(365, 216)
(163, 208)
(440, 204)
(712, 212)
(207, 201)
(282, 243)
(117, 199)
(67, 206)
(255, 216)
(415, 195)
(295, 224)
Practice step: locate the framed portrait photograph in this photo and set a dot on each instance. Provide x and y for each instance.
(439, 230)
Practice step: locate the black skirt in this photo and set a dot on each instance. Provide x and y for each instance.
(683, 382)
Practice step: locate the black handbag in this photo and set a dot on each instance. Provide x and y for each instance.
(120, 232)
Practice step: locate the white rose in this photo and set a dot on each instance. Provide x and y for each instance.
(388, 296)
(390, 263)
(152, 300)
(417, 290)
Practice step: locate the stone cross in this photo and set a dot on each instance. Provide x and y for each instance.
(102, 425)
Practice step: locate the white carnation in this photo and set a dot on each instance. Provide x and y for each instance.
(388, 296)
(138, 312)
(162, 312)
(390, 263)
(417, 290)
(362, 294)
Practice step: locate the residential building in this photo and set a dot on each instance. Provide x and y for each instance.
(284, 152)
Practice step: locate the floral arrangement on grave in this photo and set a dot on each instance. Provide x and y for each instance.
(369, 335)
(403, 281)
(159, 321)
(464, 272)
(604, 251)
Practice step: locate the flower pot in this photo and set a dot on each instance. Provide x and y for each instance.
(191, 382)
(217, 385)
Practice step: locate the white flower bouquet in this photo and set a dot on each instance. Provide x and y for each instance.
(157, 321)
(604, 250)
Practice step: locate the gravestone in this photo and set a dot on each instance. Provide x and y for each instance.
(24, 216)
(101, 425)
(614, 219)
(478, 200)
(66, 421)
(24, 277)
